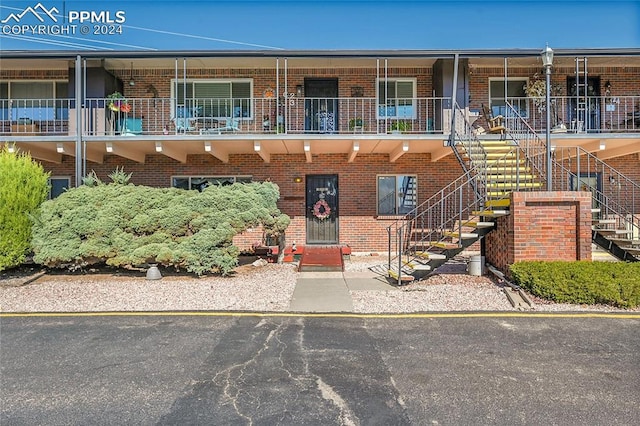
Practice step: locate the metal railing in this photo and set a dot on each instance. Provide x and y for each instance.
(590, 114)
(296, 115)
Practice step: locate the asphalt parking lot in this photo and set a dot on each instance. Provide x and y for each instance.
(303, 369)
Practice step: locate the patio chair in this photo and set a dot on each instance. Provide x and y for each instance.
(183, 121)
(231, 125)
(495, 123)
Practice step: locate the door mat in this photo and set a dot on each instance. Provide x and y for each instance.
(321, 259)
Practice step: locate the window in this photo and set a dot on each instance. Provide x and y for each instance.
(515, 95)
(57, 185)
(34, 100)
(199, 183)
(397, 194)
(396, 98)
(215, 98)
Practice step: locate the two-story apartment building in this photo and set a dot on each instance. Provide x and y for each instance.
(354, 139)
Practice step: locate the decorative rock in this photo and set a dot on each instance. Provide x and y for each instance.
(259, 262)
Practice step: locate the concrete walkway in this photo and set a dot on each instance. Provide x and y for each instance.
(330, 291)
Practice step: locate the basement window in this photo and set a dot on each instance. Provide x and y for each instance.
(397, 194)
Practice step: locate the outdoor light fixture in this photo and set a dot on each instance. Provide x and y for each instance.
(299, 90)
(158, 146)
(131, 80)
(297, 179)
(602, 146)
(11, 148)
(547, 61)
(612, 180)
(109, 147)
(207, 146)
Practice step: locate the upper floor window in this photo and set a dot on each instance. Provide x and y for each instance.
(515, 95)
(34, 100)
(397, 194)
(396, 98)
(201, 182)
(215, 98)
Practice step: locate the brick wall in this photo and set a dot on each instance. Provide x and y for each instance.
(358, 224)
(542, 226)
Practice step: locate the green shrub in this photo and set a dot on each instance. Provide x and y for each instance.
(23, 187)
(127, 225)
(583, 282)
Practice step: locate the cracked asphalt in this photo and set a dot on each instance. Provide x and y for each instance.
(303, 370)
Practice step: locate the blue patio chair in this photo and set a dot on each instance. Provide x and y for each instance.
(183, 120)
(232, 125)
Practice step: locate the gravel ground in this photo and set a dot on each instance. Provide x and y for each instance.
(267, 288)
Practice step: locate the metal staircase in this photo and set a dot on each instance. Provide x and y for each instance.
(464, 211)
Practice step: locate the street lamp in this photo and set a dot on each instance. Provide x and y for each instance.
(547, 61)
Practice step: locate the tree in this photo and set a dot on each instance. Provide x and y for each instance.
(23, 187)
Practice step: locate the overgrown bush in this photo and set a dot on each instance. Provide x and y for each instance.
(127, 225)
(583, 282)
(23, 187)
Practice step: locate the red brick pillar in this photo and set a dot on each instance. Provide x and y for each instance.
(542, 226)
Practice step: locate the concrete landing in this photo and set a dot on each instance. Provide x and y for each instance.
(330, 291)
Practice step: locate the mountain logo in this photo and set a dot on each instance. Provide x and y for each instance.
(36, 11)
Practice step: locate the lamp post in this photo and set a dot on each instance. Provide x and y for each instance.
(547, 61)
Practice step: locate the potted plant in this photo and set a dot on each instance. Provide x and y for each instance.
(356, 125)
(116, 104)
(400, 126)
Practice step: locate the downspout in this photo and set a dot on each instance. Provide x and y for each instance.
(79, 130)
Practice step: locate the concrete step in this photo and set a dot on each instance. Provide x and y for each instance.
(464, 235)
(429, 256)
(490, 213)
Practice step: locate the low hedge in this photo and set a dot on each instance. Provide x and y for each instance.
(582, 282)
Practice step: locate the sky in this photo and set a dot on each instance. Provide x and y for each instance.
(317, 25)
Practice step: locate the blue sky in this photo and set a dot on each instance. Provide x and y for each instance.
(312, 25)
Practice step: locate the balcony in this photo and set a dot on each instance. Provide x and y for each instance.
(298, 116)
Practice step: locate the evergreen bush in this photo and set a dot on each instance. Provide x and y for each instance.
(128, 225)
(23, 187)
(583, 282)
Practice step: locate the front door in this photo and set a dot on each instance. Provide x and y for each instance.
(321, 105)
(322, 209)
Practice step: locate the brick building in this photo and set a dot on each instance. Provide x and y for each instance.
(354, 139)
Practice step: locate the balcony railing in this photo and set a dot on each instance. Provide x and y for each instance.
(299, 115)
(591, 114)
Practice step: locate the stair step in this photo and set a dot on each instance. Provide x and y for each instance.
(512, 177)
(464, 235)
(479, 224)
(613, 231)
(505, 202)
(595, 210)
(515, 185)
(429, 256)
(490, 213)
(403, 278)
(604, 221)
(445, 245)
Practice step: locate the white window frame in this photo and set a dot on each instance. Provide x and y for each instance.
(180, 81)
(397, 207)
(396, 115)
(524, 110)
(235, 178)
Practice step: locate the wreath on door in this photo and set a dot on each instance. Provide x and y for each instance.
(321, 210)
